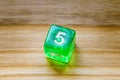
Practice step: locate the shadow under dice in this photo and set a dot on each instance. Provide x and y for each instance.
(59, 43)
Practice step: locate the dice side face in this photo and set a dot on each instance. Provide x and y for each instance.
(59, 43)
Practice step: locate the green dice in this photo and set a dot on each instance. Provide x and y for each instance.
(59, 43)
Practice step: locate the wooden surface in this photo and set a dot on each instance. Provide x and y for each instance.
(97, 52)
(96, 56)
(80, 12)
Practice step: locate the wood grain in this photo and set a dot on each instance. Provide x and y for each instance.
(96, 56)
(80, 12)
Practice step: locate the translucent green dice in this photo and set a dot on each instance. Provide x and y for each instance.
(59, 43)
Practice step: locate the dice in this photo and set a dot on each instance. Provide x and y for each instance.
(59, 43)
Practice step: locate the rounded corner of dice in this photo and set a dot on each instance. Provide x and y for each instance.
(59, 43)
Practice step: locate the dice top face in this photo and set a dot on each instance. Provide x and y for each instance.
(59, 43)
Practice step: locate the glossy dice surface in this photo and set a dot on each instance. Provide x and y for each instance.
(59, 43)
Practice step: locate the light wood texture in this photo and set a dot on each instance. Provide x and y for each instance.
(81, 12)
(96, 56)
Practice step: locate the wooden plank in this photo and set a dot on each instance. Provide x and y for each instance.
(78, 59)
(96, 56)
(81, 12)
(68, 70)
(59, 77)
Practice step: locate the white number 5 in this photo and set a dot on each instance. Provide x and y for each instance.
(60, 36)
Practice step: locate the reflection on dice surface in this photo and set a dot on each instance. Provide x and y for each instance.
(59, 43)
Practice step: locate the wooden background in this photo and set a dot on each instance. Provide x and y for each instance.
(25, 23)
(80, 12)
